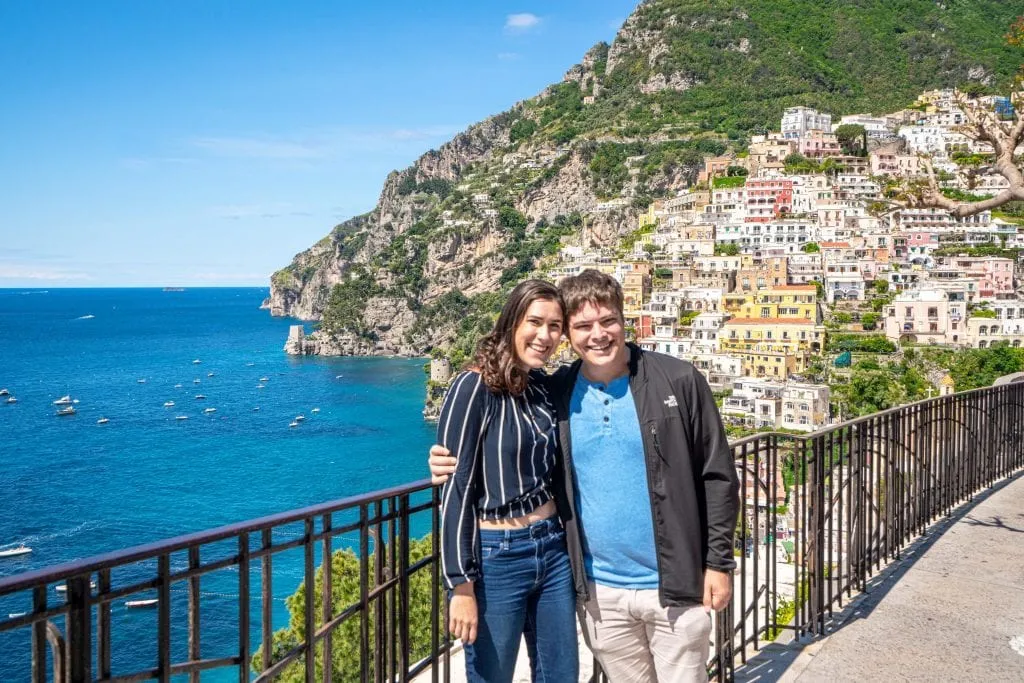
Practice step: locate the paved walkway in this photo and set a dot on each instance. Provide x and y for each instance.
(952, 609)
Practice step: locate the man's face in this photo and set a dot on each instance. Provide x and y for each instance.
(598, 335)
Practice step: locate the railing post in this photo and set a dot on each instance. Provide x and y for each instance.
(39, 636)
(79, 669)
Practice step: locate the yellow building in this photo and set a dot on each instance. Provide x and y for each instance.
(798, 302)
(636, 291)
(650, 217)
(772, 347)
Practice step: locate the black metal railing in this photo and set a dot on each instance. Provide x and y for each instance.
(821, 514)
(71, 638)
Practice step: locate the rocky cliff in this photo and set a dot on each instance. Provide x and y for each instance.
(682, 80)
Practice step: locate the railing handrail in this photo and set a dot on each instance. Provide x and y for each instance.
(865, 418)
(145, 551)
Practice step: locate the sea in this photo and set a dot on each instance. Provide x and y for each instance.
(71, 488)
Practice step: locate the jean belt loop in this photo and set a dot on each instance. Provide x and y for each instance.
(506, 540)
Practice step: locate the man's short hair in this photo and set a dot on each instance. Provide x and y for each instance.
(593, 287)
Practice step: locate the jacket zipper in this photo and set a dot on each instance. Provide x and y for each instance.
(654, 513)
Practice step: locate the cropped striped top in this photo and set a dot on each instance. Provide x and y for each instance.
(506, 449)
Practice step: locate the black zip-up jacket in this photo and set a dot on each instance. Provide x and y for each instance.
(691, 476)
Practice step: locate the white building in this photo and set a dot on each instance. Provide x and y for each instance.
(874, 126)
(798, 121)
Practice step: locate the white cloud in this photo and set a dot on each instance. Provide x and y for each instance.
(266, 211)
(318, 144)
(136, 163)
(221, 277)
(37, 272)
(521, 22)
(258, 148)
(509, 56)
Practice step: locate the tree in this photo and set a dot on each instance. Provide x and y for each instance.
(983, 125)
(852, 138)
(811, 248)
(727, 249)
(869, 321)
(346, 639)
(733, 171)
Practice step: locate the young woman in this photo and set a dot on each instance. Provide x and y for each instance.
(503, 550)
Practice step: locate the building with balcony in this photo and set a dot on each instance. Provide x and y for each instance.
(844, 280)
(799, 121)
(772, 347)
(782, 301)
(767, 199)
(926, 316)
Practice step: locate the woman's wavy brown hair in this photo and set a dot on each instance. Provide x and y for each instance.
(495, 356)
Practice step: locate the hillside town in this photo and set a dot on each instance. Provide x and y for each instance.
(750, 272)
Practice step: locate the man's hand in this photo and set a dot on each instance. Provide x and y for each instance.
(442, 465)
(462, 614)
(717, 589)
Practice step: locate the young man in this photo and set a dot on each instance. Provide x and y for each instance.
(648, 493)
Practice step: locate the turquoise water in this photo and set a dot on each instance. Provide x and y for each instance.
(71, 488)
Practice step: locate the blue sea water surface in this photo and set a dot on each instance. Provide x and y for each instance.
(71, 488)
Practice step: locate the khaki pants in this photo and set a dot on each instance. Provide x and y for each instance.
(636, 640)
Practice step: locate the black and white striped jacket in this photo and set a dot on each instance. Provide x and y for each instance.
(506, 447)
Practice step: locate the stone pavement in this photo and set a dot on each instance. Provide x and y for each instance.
(951, 609)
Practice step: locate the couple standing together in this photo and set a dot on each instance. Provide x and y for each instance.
(606, 490)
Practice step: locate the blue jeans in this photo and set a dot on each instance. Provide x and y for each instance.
(526, 589)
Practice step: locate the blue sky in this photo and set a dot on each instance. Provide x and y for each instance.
(205, 142)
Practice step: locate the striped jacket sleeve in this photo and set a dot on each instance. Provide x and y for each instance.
(460, 429)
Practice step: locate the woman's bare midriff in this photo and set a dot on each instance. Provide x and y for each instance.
(543, 512)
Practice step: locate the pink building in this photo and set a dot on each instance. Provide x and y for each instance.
(818, 145)
(994, 275)
(768, 198)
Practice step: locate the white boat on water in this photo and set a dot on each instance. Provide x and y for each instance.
(210, 410)
(63, 587)
(177, 386)
(293, 424)
(209, 374)
(63, 401)
(315, 410)
(102, 421)
(196, 362)
(141, 380)
(152, 602)
(181, 417)
(16, 552)
(300, 418)
(200, 397)
(4, 392)
(15, 615)
(196, 381)
(70, 410)
(264, 379)
(168, 404)
(11, 399)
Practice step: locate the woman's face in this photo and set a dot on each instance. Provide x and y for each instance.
(538, 333)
